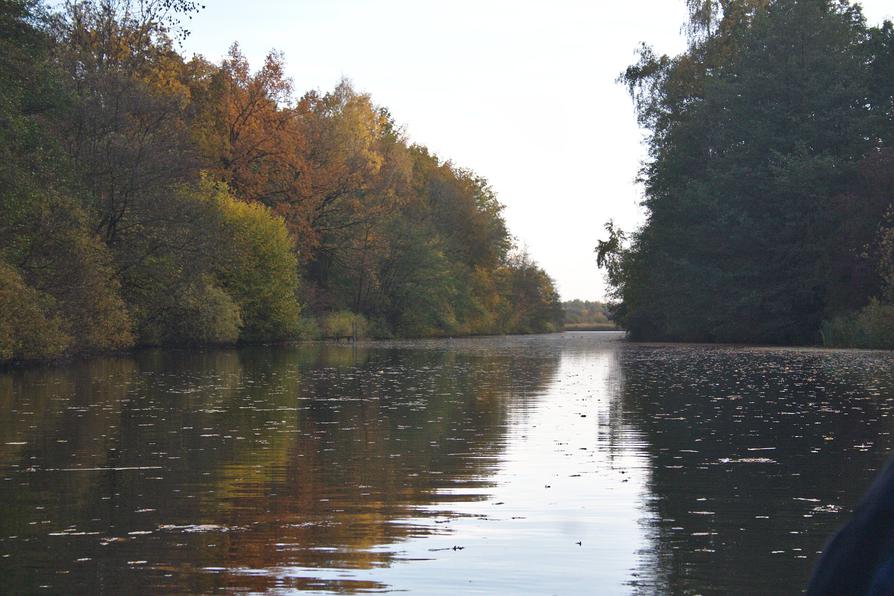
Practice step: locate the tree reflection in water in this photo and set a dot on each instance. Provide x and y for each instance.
(562, 463)
(249, 462)
(757, 456)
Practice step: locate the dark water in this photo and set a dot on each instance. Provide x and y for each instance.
(562, 464)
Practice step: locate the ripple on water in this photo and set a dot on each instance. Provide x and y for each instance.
(511, 465)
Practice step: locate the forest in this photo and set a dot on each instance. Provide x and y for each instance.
(148, 199)
(586, 315)
(769, 182)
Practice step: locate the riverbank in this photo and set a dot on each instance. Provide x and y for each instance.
(591, 327)
(345, 340)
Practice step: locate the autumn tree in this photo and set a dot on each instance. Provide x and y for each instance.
(247, 128)
(58, 289)
(124, 128)
(151, 200)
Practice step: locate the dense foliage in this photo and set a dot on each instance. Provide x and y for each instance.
(770, 177)
(150, 199)
(586, 315)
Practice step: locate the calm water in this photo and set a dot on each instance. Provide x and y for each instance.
(556, 464)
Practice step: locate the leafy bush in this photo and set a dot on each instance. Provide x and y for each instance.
(871, 327)
(226, 273)
(259, 270)
(80, 275)
(209, 316)
(308, 328)
(50, 249)
(29, 328)
(200, 313)
(344, 324)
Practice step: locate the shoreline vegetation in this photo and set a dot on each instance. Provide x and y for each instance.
(591, 327)
(580, 315)
(150, 199)
(769, 182)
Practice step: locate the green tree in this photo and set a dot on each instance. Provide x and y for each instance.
(535, 304)
(146, 199)
(47, 248)
(756, 136)
(258, 267)
(29, 328)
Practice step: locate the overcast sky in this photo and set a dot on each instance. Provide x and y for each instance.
(522, 92)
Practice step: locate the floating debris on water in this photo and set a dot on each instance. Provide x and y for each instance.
(196, 528)
(747, 460)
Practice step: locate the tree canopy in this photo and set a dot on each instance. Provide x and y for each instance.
(768, 186)
(147, 198)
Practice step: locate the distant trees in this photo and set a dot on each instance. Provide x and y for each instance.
(586, 315)
(767, 185)
(152, 200)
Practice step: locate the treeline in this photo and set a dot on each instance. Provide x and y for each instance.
(769, 183)
(585, 315)
(150, 199)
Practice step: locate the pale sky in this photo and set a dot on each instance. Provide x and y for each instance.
(521, 92)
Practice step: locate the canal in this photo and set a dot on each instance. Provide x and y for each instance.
(560, 464)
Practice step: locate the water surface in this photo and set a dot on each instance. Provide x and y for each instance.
(554, 464)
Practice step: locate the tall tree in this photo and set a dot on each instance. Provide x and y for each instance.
(55, 272)
(756, 135)
(125, 129)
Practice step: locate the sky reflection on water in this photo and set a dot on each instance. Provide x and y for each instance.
(554, 464)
